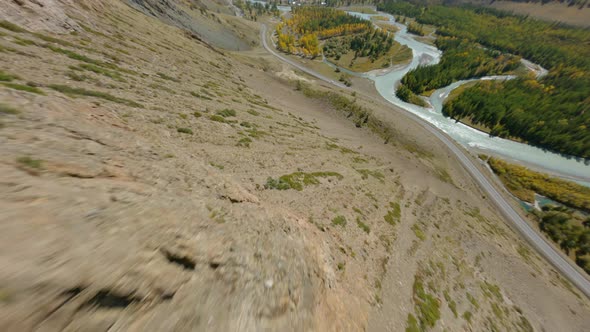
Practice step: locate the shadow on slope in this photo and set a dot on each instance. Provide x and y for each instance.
(197, 18)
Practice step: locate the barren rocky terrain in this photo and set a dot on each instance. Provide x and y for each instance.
(153, 179)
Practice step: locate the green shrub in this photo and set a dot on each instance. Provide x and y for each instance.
(412, 324)
(427, 306)
(467, 316)
(497, 310)
(255, 133)
(24, 41)
(376, 174)
(30, 162)
(226, 113)
(11, 26)
(253, 112)
(339, 221)
(472, 300)
(453, 307)
(197, 114)
(394, 214)
(244, 142)
(6, 77)
(185, 130)
(419, 232)
(277, 184)
(217, 118)
(490, 290)
(298, 180)
(26, 88)
(359, 160)
(218, 166)
(343, 150)
(5, 49)
(452, 304)
(363, 226)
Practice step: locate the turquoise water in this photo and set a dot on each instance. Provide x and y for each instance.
(567, 167)
(564, 166)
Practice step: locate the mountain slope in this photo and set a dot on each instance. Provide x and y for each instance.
(195, 16)
(135, 194)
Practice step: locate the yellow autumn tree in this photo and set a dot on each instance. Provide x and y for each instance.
(310, 45)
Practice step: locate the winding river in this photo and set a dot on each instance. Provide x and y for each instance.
(475, 140)
(567, 167)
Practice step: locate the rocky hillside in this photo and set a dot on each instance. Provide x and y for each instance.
(206, 20)
(153, 180)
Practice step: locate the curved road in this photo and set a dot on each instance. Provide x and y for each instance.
(536, 240)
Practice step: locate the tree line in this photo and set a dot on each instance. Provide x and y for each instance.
(373, 44)
(568, 228)
(301, 34)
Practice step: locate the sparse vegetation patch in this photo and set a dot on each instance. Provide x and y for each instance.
(30, 162)
(185, 130)
(299, 180)
(20, 87)
(394, 214)
(217, 118)
(426, 305)
(365, 173)
(339, 221)
(419, 232)
(244, 142)
(226, 113)
(11, 27)
(5, 109)
(99, 70)
(363, 226)
(6, 77)
(97, 94)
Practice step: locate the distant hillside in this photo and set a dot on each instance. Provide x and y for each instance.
(210, 20)
(574, 12)
(570, 3)
(552, 11)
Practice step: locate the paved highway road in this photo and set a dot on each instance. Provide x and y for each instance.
(536, 240)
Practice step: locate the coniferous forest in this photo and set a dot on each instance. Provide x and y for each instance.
(461, 60)
(552, 112)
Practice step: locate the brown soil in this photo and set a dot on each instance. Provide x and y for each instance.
(141, 208)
